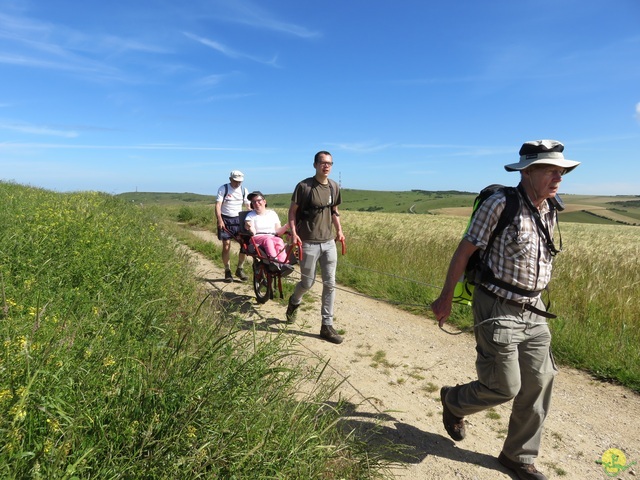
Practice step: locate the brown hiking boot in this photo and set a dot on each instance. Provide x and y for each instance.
(292, 311)
(452, 424)
(524, 471)
(228, 278)
(329, 334)
(241, 275)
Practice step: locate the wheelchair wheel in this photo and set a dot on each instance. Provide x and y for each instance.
(261, 282)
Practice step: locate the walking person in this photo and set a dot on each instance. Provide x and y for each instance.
(514, 359)
(313, 214)
(230, 200)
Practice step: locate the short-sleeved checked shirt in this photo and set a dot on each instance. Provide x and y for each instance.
(519, 255)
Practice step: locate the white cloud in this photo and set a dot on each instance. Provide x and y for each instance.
(38, 130)
(228, 51)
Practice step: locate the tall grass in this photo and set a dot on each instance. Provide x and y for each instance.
(594, 291)
(112, 366)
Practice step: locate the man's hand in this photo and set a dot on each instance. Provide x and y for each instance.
(441, 308)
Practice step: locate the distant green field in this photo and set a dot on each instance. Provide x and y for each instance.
(591, 209)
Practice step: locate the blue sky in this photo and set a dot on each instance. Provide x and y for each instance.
(167, 96)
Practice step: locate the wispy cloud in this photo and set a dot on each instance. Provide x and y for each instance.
(38, 130)
(253, 15)
(48, 46)
(178, 147)
(230, 52)
(228, 96)
(362, 147)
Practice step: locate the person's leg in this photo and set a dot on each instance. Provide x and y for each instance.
(310, 254)
(241, 258)
(497, 333)
(269, 243)
(531, 405)
(280, 248)
(265, 243)
(226, 253)
(328, 263)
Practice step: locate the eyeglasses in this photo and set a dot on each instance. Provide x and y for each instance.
(550, 171)
(256, 200)
(325, 164)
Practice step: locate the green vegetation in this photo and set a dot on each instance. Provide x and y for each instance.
(113, 365)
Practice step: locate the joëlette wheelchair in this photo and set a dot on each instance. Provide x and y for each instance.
(267, 272)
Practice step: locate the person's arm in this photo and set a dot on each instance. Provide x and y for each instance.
(335, 219)
(249, 225)
(441, 307)
(291, 217)
(219, 220)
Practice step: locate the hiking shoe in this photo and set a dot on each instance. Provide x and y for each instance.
(292, 311)
(241, 275)
(329, 334)
(227, 276)
(524, 471)
(452, 424)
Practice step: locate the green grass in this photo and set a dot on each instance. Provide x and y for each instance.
(113, 365)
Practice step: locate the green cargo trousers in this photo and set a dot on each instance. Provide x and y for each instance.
(514, 361)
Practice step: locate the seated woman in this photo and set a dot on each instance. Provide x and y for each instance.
(265, 226)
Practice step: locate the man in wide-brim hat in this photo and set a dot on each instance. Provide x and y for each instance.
(513, 340)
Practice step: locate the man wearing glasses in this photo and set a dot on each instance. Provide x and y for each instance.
(312, 216)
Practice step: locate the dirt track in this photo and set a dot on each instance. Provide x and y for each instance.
(402, 391)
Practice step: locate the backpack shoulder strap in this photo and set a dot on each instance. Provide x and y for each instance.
(244, 191)
(511, 207)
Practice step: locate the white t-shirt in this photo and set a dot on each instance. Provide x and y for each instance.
(265, 223)
(232, 204)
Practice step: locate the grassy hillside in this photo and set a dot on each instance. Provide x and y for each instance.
(602, 210)
(113, 365)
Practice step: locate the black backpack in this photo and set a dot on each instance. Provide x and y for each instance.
(306, 211)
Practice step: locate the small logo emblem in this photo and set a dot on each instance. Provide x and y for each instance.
(614, 461)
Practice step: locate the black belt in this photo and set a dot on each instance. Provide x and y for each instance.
(523, 306)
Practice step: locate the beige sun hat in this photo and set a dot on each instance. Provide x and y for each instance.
(546, 152)
(236, 175)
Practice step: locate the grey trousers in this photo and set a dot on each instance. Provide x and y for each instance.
(514, 361)
(327, 255)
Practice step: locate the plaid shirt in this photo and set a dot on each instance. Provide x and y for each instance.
(519, 255)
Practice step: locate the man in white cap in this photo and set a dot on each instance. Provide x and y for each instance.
(229, 202)
(514, 359)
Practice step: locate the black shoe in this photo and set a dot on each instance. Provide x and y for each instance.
(452, 424)
(227, 276)
(240, 274)
(329, 334)
(292, 311)
(524, 471)
(286, 269)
